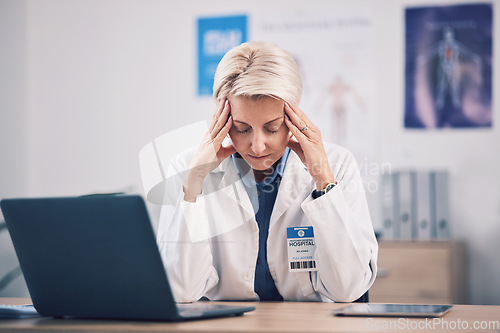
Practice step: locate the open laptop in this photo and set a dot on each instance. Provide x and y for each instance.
(96, 257)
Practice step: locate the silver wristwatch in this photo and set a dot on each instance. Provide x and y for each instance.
(316, 194)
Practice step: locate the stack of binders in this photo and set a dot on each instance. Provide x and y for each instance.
(415, 205)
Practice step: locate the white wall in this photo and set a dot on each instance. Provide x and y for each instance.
(90, 82)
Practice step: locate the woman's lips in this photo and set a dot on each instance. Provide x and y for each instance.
(259, 157)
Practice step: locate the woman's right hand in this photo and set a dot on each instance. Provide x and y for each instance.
(211, 152)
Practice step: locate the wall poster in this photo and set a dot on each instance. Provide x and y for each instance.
(448, 66)
(335, 53)
(216, 36)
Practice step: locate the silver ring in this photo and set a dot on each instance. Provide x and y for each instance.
(304, 129)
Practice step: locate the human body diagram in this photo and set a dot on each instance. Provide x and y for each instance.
(448, 75)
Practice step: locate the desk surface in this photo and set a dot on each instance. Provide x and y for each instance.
(273, 317)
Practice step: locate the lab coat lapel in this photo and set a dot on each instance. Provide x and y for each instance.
(295, 182)
(232, 186)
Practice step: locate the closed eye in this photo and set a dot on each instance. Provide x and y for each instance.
(243, 132)
(273, 126)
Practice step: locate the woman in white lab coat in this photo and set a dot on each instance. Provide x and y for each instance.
(276, 214)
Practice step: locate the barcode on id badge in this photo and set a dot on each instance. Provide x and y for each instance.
(303, 264)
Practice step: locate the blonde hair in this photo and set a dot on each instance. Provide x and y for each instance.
(257, 69)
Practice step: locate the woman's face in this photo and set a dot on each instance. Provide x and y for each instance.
(259, 133)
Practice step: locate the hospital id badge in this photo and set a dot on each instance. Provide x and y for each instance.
(301, 247)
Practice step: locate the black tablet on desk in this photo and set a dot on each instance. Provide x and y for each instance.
(393, 310)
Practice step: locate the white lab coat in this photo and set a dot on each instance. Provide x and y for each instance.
(210, 247)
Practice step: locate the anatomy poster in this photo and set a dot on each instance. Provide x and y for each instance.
(449, 66)
(335, 53)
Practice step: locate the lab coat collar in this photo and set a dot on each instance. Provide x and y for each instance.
(247, 175)
(296, 182)
(232, 185)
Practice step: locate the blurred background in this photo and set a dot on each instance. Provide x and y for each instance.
(85, 84)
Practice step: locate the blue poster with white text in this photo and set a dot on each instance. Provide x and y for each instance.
(449, 66)
(216, 36)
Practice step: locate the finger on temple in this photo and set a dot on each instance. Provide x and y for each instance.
(217, 113)
(221, 120)
(295, 130)
(294, 117)
(301, 115)
(219, 137)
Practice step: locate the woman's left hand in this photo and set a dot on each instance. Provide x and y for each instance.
(307, 143)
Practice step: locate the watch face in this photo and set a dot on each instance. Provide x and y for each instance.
(317, 194)
(329, 187)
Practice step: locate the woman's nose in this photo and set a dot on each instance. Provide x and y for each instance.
(258, 144)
